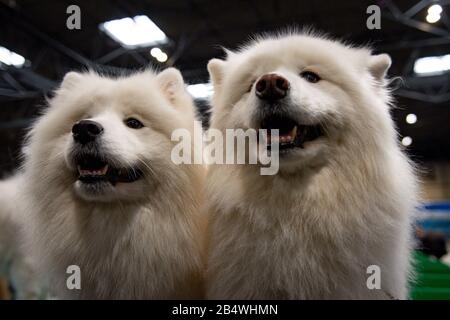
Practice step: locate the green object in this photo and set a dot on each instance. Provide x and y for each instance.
(432, 281)
(430, 293)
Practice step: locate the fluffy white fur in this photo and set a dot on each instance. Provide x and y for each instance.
(336, 207)
(21, 270)
(9, 217)
(133, 240)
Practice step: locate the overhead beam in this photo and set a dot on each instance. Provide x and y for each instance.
(395, 14)
(403, 44)
(16, 19)
(415, 95)
(415, 9)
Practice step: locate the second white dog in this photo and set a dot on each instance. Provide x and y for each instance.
(338, 211)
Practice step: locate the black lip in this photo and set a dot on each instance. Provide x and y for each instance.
(113, 174)
(285, 124)
(90, 161)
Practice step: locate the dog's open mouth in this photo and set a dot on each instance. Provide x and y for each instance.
(92, 169)
(291, 133)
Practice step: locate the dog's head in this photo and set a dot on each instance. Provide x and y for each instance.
(319, 93)
(109, 139)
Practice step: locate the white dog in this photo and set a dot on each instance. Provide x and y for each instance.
(342, 200)
(103, 195)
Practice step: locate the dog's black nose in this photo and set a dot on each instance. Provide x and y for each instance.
(85, 131)
(272, 87)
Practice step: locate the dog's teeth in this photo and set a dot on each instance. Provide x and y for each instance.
(104, 170)
(293, 133)
(86, 172)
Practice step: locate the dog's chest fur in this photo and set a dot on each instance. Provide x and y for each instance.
(306, 243)
(124, 253)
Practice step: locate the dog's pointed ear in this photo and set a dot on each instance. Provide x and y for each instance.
(379, 65)
(171, 82)
(70, 79)
(216, 68)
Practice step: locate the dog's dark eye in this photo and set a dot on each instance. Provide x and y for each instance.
(310, 76)
(133, 123)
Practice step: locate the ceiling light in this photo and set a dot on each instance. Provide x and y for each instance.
(411, 118)
(432, 65)
(11, 58)
(433, 17)
(435, 9)
(200, 90)
(155, 52)
(135, 32)
(406, 141)
(434, 13)
(159, 55)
